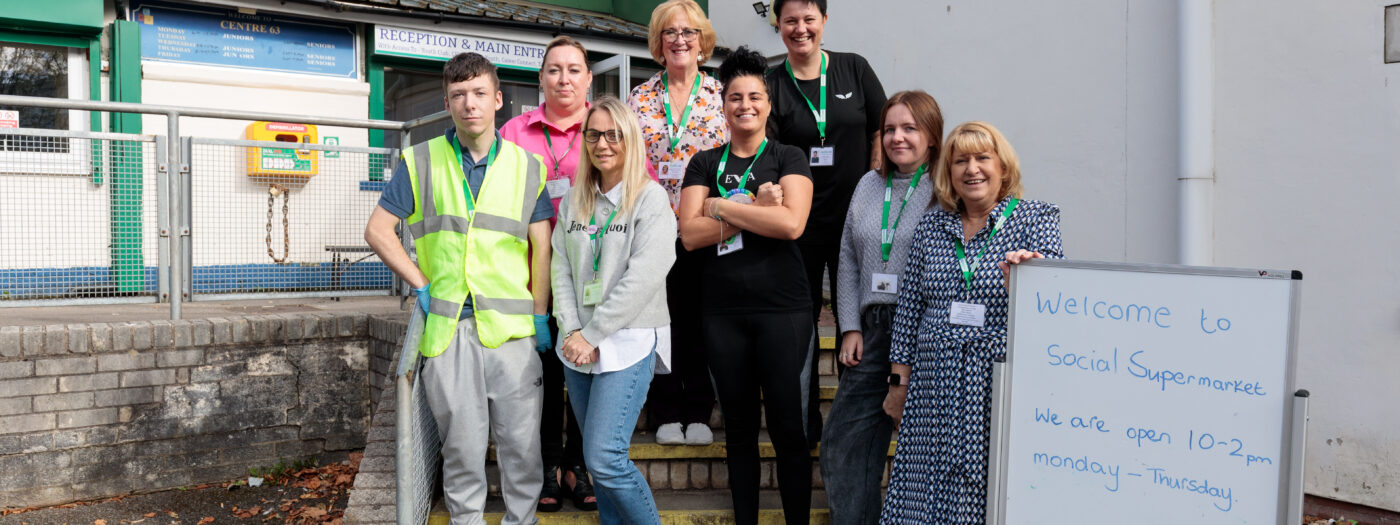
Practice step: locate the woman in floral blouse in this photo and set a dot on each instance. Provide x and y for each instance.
(680, 112)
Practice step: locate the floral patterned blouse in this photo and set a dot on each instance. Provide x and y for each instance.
(706, 128)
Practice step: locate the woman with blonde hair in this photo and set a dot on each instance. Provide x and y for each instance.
(679, 110)
(612, 250)
(553, 131)
(950, 325)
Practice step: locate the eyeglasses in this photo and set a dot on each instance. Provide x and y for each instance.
(670, 35)
(612, 136)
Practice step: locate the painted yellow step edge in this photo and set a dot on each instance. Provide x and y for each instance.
(668, 517)
(716, 450)
(826, 342)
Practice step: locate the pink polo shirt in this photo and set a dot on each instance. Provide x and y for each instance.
(561, 160)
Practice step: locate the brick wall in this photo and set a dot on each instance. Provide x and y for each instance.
(95, 410)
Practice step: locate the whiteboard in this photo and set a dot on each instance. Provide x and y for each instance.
(1147, 394)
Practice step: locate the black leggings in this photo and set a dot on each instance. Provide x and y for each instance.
(767, 354)
(816, 258)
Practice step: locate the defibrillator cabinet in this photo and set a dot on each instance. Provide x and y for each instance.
(281, 162)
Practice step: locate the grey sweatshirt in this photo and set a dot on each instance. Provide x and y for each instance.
(638, 251)
(860, 242)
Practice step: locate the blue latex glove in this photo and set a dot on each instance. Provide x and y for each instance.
(423, 297)
(543, 339)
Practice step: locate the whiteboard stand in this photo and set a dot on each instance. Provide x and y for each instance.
(1230, 286)
(994, 452)
(1295, 463)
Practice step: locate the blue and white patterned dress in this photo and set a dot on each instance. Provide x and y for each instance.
(940, 463)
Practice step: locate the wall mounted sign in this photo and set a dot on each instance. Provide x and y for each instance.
(416, 43)
(233, 38)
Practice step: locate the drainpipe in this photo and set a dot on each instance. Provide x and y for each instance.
(1196, 126)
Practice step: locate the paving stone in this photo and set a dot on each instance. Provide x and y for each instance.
(203, 332)
(65, 366)
(141, 336)
(126, 361)
(58, 402)
(100, 337)
(240, 330)
(162, 334)
(77, 339)
(221, 330)
(121, 337)
(13, 369)
(87, 418)
(28, 386)
(55, 339)
(699, 475)
(658, 475)
(32, 340)
(88, 382)
(10, 341)
(174, 358)
(26, 423)
(182, 333)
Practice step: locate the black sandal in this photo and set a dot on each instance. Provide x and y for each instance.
(582, 492)
(550, 490)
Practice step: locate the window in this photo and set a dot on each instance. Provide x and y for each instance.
(43, 71)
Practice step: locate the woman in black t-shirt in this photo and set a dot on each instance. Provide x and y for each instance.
(742, 208)
(844, 92)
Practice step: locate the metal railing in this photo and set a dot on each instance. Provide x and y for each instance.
(418, 449)
(109, 217)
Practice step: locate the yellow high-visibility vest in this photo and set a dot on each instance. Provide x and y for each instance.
(484, 253)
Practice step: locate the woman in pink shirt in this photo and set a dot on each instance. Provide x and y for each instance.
(554, 131)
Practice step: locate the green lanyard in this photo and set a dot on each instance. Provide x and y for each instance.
(461, 164)
(550, 144)
(818, 112)
(886, 232)
(962, 257)
(675, 129)
(744, 179)
(597, 236)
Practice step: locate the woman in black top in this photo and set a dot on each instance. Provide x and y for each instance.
(828, 105)
(742, 208)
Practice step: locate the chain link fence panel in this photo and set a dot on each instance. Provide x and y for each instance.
(272, 219)
(78, 217)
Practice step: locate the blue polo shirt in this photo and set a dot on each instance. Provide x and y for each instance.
(397, 197)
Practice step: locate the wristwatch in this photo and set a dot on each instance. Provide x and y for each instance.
(896, 380)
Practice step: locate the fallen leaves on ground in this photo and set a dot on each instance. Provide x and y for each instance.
(322, 488)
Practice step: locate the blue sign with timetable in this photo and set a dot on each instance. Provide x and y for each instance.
(256, 40)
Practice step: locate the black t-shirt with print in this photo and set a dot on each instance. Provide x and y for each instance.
(854, 97)
(766, 275)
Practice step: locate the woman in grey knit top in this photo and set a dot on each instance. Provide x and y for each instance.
(888, 202)
(612, 251)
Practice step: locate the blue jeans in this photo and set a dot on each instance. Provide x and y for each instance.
(857, 430)
(606, 406)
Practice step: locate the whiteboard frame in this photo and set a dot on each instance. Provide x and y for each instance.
(1295, 412)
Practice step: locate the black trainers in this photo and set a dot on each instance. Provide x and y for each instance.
(550, 491)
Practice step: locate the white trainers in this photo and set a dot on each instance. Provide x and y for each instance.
(670, 434)
(698, 434)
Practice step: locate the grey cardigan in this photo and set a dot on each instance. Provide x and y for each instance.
(860, 243)
(638, 251)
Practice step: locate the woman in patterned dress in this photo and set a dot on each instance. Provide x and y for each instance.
(681, 38)
(950, 325)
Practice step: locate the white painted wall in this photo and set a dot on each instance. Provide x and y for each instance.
(1086, 92)
(230, 208)
(1307, 151)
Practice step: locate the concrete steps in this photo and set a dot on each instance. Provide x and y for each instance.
(690, 482)
(677, 507)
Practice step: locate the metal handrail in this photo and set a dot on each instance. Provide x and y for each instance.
(186, 111)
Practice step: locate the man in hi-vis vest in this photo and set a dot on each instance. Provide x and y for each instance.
(480, 224)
